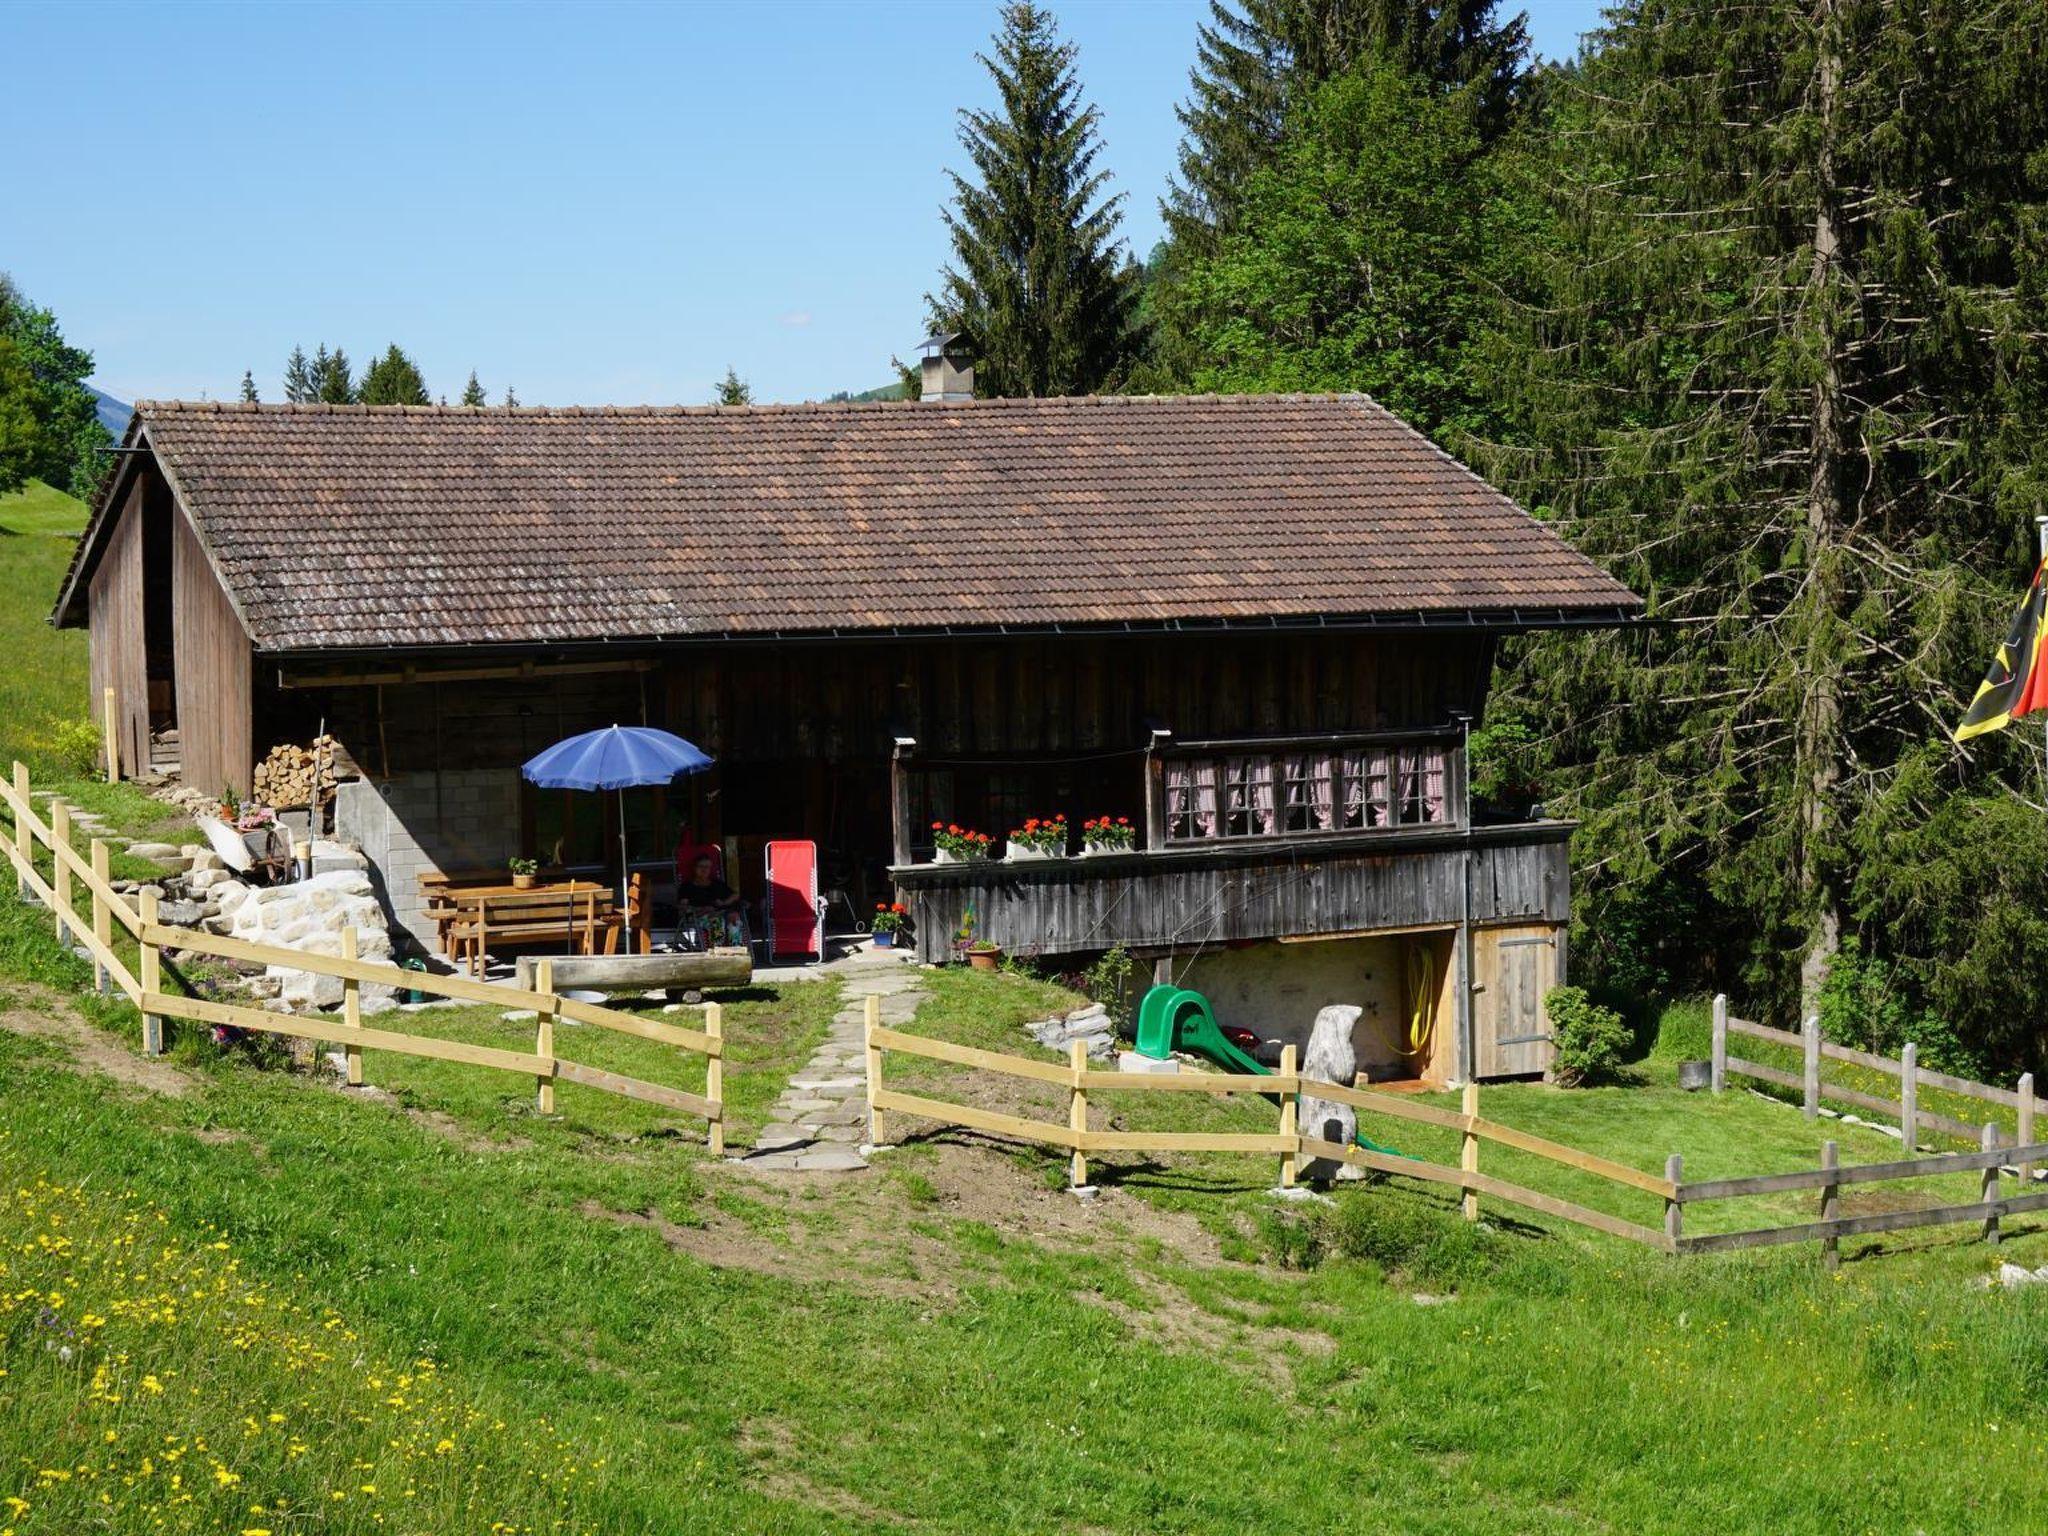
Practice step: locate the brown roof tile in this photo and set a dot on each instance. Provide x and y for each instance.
(376, 527)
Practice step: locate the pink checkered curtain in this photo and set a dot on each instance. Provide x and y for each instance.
(1354, 766)
(1433, 786)
(1180, 799)
(1205, 798)
(1265, 820)
(1322, 792)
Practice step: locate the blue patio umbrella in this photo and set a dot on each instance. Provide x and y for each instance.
(619, 757)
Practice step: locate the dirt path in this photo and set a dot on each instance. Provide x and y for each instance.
(46, 1015)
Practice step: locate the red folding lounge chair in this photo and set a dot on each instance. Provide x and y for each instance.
(796, 918)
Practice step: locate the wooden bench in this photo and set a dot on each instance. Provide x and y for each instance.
(581, 915)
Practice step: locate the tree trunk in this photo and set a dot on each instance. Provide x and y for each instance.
(1818, 769)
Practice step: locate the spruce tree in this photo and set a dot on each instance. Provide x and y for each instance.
(1257, 59)
(249, 395)
(333, 381)
(1039, 279)
(301, 384)
(1781, 385)
(473, 393)
(510, 398)
(732, 390)
(393, 379)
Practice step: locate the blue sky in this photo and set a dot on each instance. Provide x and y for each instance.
(594, 203)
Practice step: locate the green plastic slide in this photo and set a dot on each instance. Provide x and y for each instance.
(1177, 1019)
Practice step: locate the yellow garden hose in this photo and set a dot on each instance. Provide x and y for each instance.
(1421, 998)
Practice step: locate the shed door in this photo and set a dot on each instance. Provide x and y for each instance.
(1516, 968)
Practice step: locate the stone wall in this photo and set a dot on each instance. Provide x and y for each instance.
(310, 916)
(413, 824)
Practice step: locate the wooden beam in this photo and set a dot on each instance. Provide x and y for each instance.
(411, 674)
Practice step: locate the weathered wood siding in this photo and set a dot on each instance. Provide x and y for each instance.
(1179, 900)
(213, 669)
(1514, 968)
(119, 659)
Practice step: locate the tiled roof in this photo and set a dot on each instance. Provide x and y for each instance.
(375, 527)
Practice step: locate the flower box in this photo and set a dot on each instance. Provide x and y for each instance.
(1024, 853)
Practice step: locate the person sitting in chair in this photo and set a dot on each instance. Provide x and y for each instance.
(708, 907)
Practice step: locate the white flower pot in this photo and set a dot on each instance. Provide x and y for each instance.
(1099, 850)
(1018, 854)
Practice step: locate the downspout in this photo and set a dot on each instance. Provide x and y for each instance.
(1468, 1047)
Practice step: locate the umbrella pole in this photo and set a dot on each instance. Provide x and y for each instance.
(625, 881)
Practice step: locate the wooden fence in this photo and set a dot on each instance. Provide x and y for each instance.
(90, 924)
(1812, 1087)
(1285, 1142)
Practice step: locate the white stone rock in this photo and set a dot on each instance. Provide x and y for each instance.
(204, 861)
(207, 879)
(1330, 1058)
(1131, 1061)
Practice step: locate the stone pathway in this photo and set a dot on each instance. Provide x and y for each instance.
(821, 1120)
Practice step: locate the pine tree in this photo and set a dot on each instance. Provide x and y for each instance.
(1255, 63)
(510, 398)
(301, 385)
(473, 393)
(333, 382)
(1779, 386)
(1039, 279)
(249, 395)
(732, 390)
(393, 379)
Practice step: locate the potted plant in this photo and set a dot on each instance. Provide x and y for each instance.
(955, 844)
(891, 918)
(523, 871)
(1039, 839)
(1108, 834)
(981, 955)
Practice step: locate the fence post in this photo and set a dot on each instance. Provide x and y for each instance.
(351, 1014)
(1830, 1204)
(714, 1078)
(150, 975)
(1674, 1213)
(23, 843)
(1720, 1078)
(1810, 1082)
(110, 716)
(60, 872)
(2026, 1133)
(1077, 1112)
(872, 1021)
(1909, 1098)
(102, 917)
(1290, 1109)
(1989, 1140)
(544, 1036)
(1468, 1151)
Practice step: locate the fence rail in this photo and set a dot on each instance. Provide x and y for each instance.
(1285, 1142)
(92, 930)
(1813, 1086)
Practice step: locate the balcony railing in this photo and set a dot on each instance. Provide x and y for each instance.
(1228, 790)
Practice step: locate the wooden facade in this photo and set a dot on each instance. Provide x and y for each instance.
(119, 653)
(213, 669)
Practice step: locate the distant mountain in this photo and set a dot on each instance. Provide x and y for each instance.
(886, 392)
(114, 413)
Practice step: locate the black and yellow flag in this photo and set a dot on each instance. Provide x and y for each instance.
(2017, 683)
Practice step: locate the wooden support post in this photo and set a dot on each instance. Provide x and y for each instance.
(60, 876)
(1155, 788)
(1830, 1204)
(870, 1022)
(1674, 1213)
(102, 916)
(714, 1078)
(1077, 1112)
(1810, 1037)
(23, 843)
(544, 1036)
(1290, 1111)
(150, 976)
(899, 798)
(1720, 1077)
(1468, 1150)
(1909, 1098)
(2025, 1089)
(1989, 1143)
(351, 1014)
(111, 715)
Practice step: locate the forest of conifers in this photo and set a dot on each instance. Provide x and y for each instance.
(1749, 301)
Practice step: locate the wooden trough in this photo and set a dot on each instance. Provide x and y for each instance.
(685, 971)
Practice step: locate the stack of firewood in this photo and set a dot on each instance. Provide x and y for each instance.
(284, 779)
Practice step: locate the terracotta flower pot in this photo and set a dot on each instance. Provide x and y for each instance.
(987, 959)
(523, 882)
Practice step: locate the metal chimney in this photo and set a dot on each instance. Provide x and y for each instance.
(948, 367)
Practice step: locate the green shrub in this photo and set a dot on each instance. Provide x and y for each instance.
(1592, 1041)
(67, 747)
(1419, 1242)
(1108, 982)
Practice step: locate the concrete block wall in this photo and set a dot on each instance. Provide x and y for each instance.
(418, 823)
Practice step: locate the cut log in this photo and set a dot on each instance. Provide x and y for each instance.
(732, 967)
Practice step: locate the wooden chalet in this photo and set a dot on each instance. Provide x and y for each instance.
(1258, 627)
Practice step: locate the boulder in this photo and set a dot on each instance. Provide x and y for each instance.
(156, 853)
(1331, 1058)
(180, 914)
(204, 860)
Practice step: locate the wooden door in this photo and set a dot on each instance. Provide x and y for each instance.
(1515, 969)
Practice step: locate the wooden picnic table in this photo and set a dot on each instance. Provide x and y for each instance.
(471, 916)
